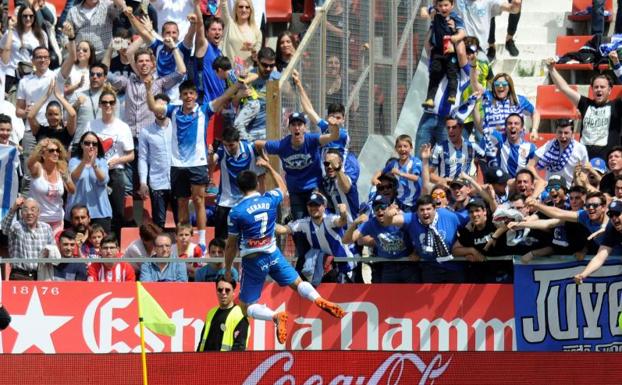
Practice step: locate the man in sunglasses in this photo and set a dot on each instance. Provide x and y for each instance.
(226, 328)
(610, 242)
(86, 103)
(391, 242)
(338, 186)
(560, 156)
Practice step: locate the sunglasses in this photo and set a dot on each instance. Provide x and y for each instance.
(97, 74)
(384, 187)
(223, 290)
(53, 150)
(380, 206)
(88, 143)
(268, 65)
(244, 7)
(108, 102)
(439, 195)
(499, 83)
(592, 205)
(42, 57)
(612, 214)
(28, 16)
(553, 187)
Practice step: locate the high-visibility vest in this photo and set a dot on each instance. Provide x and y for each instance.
(233, 319)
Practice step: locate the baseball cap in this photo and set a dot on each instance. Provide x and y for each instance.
(599, 165)
(557, 180)
(459, 181)
(380, 200)
(564, 122)
(615, 207)
(297, 117)
(496, 175)
(476, 202)
(317, 198)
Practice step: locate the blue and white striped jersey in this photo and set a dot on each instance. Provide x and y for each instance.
(507, 156)
(325, 237)
(407, 191)
(253, 219)
(450, 161)
(230, 167)
(189, 135)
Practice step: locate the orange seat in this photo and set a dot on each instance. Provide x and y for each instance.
(566, 44)
(581, 5)
(278, 11)
(616, 92)
(553, 104)
(128, 235)
(128, 207)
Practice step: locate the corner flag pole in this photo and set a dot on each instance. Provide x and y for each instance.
(143, 353)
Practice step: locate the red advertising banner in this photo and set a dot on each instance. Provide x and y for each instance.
(314, 368)
(69, 317)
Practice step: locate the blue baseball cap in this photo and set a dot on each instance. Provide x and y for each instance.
(317, 198)
(615, 207)
(599, 165)
(297, 117)
(380, 200)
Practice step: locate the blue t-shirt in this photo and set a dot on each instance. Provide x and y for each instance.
(230, 167)
(189, 135)
(584, 220)
(391, 241)
(165, 59)
(447, 226)
(253, 220)
(213, 86)
(407, 191)
(301, 165)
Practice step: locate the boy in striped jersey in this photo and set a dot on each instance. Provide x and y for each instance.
(454, 155)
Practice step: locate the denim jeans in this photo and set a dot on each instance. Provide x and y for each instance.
(298, 206)
(117, 199)
(431, 130)
(160, 199)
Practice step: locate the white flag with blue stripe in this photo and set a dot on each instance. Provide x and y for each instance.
(9, 165)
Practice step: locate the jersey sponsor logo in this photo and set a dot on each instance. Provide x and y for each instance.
(257, 243)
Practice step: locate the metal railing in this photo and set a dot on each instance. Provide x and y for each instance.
(361, 53)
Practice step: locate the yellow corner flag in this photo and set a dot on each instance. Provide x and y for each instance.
(620, 321)
(151, 314)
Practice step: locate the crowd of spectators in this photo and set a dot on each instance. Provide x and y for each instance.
(114, 98)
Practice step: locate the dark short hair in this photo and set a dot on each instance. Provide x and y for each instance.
(221, 278)
(110, 238)
(577, 189)
(222, 63)
(247, 181)
(217, 242)
(516, 196)
(336, 108)
(4, 119)
(67, 234)
(101, 65)
(231, 135)
(522, 120)
(597, 194)
(424, 200)
(39, 48)
(79, 206)
(266, 53)
(526, 171)
(613, 149)
(187, 85)
(167, 23)
(162, 96)
(148, 232)
(213, 20)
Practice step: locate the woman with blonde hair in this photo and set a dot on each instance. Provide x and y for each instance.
(50, 178)
(242, 37)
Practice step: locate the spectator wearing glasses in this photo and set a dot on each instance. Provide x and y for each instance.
(89, 172)
(163, 271)
(560, 156)
(338, 186)
(28, 237)
(86, 103)
(614, 164)
(610, 242)
(391, 242)
(440, 196)
(74, 72)
(601, 118)
(226, 328)
(242, 37)
(110, 271)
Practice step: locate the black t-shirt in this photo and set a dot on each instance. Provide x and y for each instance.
(600, 129)
(214, 336)
(612, 237)
(70, 272)
(607, 184)
(63, 135)
(478, 239)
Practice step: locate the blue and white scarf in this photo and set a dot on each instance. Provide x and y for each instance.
(554, 160)
(435, 244)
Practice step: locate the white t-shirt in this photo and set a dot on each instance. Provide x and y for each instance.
(116, 138)
(33, 87)
(21, 49)
(477, 14)
(578, 156)
(75, 75)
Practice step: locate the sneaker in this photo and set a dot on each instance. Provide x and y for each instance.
(429, 103)
(329, 307)
(491, 53)
(281, 327)
(511, 47)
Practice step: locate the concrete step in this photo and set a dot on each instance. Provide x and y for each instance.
(526, 51)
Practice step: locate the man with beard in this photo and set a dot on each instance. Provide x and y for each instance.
(510, 151)
(560, 156)
(338, 186)
(601, 118)
(611, 239)
(433, 232)
(474, 243)
(614, 163)
(454, 155)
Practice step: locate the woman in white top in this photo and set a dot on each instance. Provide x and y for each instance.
(75, 68)
(20, 40)
(242, 37)
(50, 178)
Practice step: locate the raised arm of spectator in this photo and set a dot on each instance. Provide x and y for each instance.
(395, 215)
(143, 27)
(188, 41)
(559, 81)
(352, 233)
(65, 68)
(538, 224)
(32, 114)
(344, 182)
(224, 12)
(262, 161)
(617, 67)
(554, 212)
(179, 60)
(595, 264)
(200, 41)
(220, 102)
(425, 153)
(342, 210)
(71, 112)
(333, 132)
(485, 194)
(6, 49)
(151, 103)
(539, 183)
(305, 102)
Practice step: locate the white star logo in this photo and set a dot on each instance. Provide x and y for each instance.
(35, 328)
